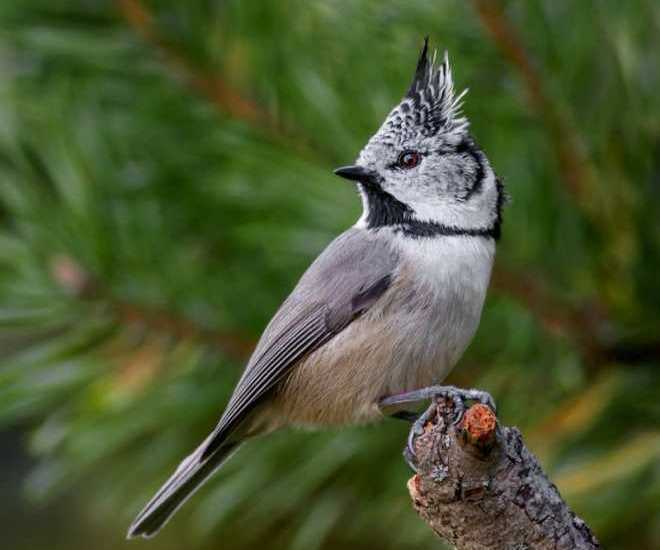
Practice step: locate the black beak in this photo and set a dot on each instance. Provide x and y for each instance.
(357, 173)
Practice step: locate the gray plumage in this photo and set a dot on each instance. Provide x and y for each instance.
(388, 307)
(340, 285)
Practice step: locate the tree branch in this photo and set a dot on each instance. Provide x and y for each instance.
(576, 168)
(215, 89)
(479, 487)
(76, 281)
(582, 325)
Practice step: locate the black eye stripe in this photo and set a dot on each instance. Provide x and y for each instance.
(467, 147)
(464, 147)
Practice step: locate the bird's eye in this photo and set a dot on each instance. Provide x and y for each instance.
(409, 159)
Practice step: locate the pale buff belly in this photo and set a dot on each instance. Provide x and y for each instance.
(410, 343)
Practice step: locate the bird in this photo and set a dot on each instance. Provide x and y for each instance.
(387, 309)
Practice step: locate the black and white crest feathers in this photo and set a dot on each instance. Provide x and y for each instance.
(420, 80)
(430, 105)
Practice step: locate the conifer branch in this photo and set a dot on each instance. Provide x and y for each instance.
(576, 168)
(583, 326)
(213, 88)
(224, 98)
(78, 282)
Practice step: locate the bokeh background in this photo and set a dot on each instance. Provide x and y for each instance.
(165, 178)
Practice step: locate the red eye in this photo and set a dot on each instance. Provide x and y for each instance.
(409, 159)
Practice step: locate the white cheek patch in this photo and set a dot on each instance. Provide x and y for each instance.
(362, 221)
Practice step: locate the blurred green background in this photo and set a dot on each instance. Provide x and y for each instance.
(165, 178)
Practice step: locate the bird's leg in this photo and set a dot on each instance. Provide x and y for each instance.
(392, 406)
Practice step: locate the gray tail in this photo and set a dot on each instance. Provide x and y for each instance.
(187, 478)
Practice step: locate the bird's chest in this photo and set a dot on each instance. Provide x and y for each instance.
(434, 308)
(409, 339)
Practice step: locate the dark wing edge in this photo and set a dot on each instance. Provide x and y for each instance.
(297, 330)
(305, 332)
(303, 335)
(182, 484)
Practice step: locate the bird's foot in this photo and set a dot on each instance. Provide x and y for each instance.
(458, 396)
(394, 405)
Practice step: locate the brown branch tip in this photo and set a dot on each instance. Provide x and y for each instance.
(478, 487)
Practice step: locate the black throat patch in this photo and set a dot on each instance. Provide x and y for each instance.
(385, 210)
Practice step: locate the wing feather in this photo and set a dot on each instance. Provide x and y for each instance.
(345, 281)
(305, 334)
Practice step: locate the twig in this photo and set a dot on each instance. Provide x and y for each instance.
(214, 88)
(576, 168)
(583, 326)
(75, 280)
(478, 487)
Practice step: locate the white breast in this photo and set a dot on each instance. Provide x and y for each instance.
(443, 284)
(457, 265)
(410, 339)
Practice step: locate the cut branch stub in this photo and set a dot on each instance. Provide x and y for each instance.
(478, 486)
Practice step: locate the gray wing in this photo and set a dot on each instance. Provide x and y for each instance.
(345, 280)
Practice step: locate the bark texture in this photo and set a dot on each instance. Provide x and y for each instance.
(478, 486)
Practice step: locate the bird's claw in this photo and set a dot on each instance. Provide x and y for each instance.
(458, 396)
(416, 430)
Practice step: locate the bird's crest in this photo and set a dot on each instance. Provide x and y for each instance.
(430, 107)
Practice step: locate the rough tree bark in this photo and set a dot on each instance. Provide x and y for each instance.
(478, 486)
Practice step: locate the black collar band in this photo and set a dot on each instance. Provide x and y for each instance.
(418, 229)
(384, 210)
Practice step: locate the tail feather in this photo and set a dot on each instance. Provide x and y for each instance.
(187, 478)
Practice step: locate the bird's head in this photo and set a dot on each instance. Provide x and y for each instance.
(422, 167)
